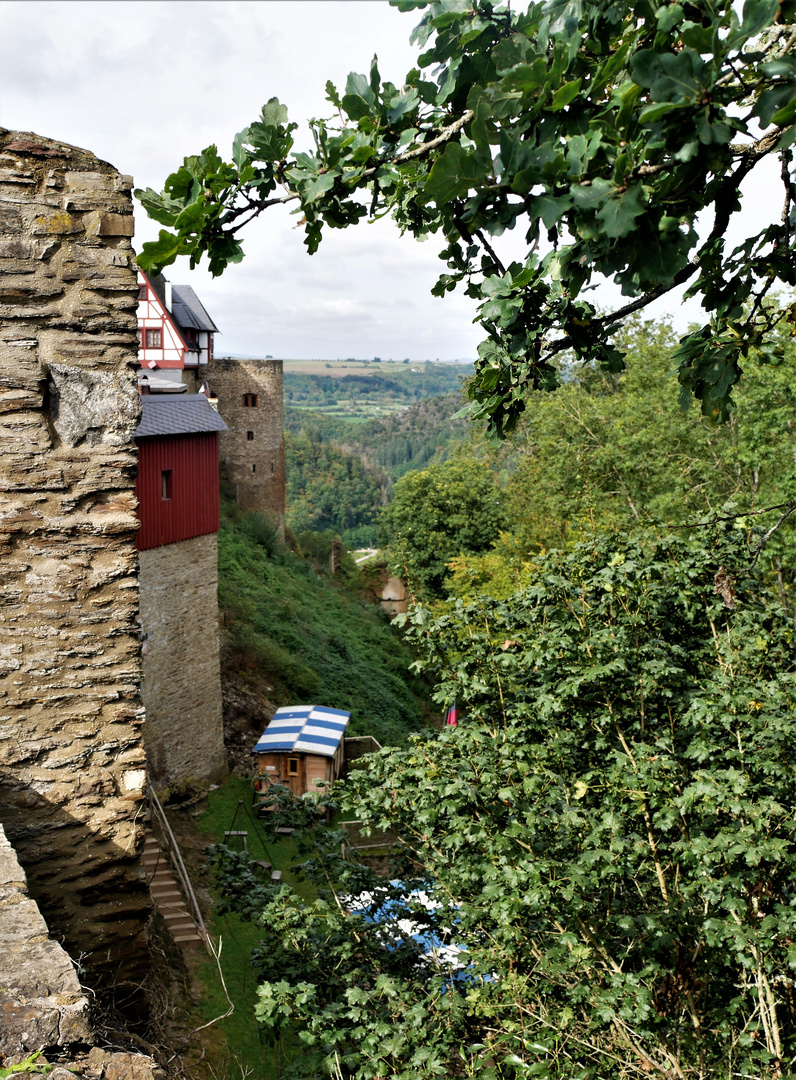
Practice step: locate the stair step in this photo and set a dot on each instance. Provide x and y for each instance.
(179, 926)
(166, 896)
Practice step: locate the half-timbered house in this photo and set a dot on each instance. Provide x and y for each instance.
(175, 336)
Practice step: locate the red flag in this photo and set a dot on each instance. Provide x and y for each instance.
(452, 716)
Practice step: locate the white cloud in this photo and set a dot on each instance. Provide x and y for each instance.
(143, 84)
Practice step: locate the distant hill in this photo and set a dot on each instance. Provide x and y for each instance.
(340, 473)
(368, 391)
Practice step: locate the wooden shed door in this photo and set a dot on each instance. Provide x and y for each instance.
(293, 774)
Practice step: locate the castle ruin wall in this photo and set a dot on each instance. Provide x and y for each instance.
(182, 676)
(72, 769)
(41, 1001)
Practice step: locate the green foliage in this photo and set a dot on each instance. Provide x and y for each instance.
(313, 640)
(29, 1065)
(604, 128)
(611, 823)
(260, 528)
(242, 1051)
(437, 514)
(409, 439)
(614, 452)
(328, 489)
(399, 388)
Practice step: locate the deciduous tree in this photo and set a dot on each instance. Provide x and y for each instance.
(598, 130)
(436, 514)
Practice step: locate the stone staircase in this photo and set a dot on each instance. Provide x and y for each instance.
(166, 896)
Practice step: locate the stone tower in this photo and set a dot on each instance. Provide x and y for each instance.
(249, 394)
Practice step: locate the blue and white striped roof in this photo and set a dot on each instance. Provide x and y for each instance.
(312, 729)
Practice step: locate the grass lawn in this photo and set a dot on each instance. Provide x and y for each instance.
(242, 1054)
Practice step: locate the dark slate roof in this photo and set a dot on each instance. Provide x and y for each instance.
(187, 414)
(187, 309)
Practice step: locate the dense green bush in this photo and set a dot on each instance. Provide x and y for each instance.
(612, 823)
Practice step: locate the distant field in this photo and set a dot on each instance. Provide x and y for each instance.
(338, 368)
(357, 412)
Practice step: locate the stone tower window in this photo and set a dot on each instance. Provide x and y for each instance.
(254, 468)
(250, 401)
(250, 436)
(272, 466)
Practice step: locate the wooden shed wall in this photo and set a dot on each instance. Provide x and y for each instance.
(193, 506)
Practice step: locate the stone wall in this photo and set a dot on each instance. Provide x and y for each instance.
(182, 678)
(71, 754)
(41, 1001)
(253, 449)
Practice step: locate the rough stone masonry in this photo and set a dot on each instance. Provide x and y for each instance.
(41, 1001)
(71, 754)
(252, 448)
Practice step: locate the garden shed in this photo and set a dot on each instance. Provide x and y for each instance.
(302, 747)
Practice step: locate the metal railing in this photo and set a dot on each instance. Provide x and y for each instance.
(178, 867)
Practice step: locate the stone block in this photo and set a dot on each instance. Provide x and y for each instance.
(14, 176)
(57, 223)
(16, 249)
(116, 225)
(36, 148)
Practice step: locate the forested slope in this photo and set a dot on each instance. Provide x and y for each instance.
(340, 473)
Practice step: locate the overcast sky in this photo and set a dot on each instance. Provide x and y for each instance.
(143, 84)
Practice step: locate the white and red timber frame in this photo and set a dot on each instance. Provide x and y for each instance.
(161, 343)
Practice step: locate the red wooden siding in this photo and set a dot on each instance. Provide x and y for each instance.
(193, 509)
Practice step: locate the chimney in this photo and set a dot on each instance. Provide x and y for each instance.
(168, 296)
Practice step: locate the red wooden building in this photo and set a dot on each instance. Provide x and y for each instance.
(178, 506)
(177, 485)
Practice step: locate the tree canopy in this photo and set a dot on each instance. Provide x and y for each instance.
(600, 131)
(436, 514)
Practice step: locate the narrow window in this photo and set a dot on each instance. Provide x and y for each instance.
(272, 467)
(254, 468)
(165, 484)
(142, 292)
(250, 436)
(140, 339)
(292, 766)
(154, 339)
(250, 401)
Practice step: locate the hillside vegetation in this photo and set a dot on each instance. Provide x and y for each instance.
(297, 636)
(379, 390)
